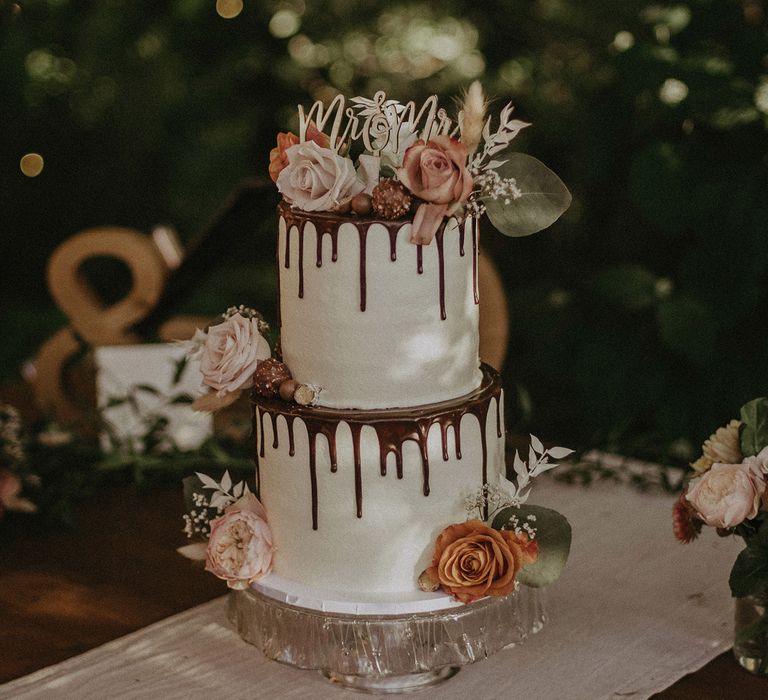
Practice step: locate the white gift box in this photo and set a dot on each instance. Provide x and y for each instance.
(136, 384)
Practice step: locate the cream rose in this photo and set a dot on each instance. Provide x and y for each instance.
(317, 178)
(472, 560)
(437, 173)
(240, 546)
(230, 353)
(728, 494)
(277, 157)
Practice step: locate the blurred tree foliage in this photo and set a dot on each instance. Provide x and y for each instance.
(639, 320)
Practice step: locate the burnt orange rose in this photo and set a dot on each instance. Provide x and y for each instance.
(436, 172)
(277, 156)
(473, 560)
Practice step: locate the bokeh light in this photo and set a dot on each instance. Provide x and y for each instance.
(673, 91)
(31, 164)
(284, 23)
(229, 9)
(623, 41)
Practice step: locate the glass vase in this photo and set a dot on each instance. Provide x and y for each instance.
(750, 644)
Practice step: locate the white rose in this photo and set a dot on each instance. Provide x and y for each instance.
(230, 353)
(728, 494)
(317, 178)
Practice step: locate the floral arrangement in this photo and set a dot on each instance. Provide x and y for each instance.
(235, 355)
(422, 162)
(229, 529)
(515, 543)
(726, 489)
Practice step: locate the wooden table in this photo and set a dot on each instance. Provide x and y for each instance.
(63, 593)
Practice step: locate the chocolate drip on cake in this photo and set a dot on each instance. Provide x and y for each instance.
(291, 444)
(393, 244)
(261, 433)
(301, 261)
(441, 270)
(327, 230)
(328, 224)
(474, 264)
(356, 429)
(256, 454)
(363, 233)
(394, 427)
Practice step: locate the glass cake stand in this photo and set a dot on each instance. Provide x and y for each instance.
(386, 653)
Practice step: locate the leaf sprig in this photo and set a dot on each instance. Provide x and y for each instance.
(497, 141)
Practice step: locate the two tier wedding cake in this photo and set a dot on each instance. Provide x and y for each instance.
(380, 465)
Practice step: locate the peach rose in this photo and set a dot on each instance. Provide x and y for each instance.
(727, 494)
(277, 157)
(437, 173)
(240, 546)
(230, 354)
(473, 560)
(317, 178)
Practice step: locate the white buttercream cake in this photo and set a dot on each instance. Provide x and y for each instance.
(406, 424)
(377, 421)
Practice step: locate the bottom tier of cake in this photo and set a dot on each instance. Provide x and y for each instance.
(356, 499)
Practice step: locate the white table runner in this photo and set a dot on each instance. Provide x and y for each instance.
(633, 612)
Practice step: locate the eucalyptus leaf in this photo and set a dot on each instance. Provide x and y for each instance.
(147, 388)
(750, 571)
(179, 368)
(553, 534)
(754, 433)
(544, 197)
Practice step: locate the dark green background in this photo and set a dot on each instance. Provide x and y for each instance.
(638, 320)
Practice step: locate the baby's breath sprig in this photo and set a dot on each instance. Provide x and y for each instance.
(492, 498)
(247, 312)
(203, 508)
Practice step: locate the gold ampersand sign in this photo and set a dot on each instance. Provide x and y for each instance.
(91, 320)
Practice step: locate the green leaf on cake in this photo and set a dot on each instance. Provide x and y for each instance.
(754, 432)
(553, 533)
(544, 196)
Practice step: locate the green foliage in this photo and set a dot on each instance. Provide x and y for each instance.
(553, 533)
(749, 575)
(754, 432)
(542, 201)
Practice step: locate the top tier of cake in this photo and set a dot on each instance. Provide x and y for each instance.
(373, 320)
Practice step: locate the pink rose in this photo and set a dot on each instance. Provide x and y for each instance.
(437, 173)
(317, 178)
(727, 494)
(230, 353)
(240, 546)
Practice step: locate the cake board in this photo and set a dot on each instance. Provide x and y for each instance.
(393, 646)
